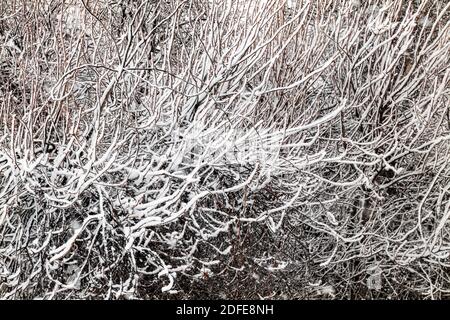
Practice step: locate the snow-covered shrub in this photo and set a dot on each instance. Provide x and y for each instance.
(229, 148)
